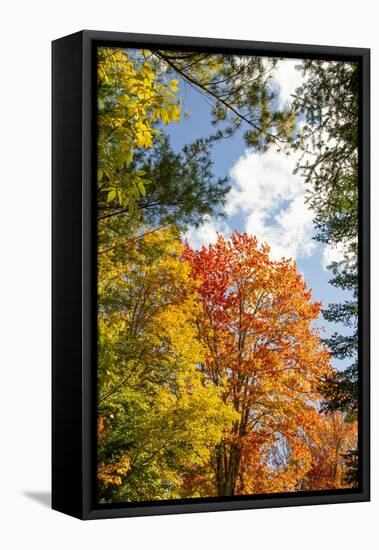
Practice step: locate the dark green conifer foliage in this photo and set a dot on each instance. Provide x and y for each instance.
(329, 102)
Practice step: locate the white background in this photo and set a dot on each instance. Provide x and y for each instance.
(27, 28)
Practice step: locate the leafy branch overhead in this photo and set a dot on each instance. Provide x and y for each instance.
(137, 96)
(131, 101)
(241, 94)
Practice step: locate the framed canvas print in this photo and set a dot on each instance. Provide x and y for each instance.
(210, 274)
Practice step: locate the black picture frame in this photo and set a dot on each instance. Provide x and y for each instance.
(74, 275)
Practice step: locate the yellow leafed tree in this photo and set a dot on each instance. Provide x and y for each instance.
(157, 410)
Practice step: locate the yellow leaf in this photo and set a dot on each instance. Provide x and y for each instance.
(174, 85)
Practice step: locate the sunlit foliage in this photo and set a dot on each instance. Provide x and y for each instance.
(255, 324)
(155, 406)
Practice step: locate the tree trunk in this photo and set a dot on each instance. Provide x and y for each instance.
(228, 465)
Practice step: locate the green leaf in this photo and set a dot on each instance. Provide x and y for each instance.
(141, 188)
(111, 195)
(134, 193)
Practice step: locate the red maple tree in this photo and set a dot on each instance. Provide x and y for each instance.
(256, 325)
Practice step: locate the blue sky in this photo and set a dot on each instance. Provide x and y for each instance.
(266, 198)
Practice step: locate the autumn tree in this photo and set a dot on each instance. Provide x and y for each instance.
(255, 324)
(331, 441)
(158, 415)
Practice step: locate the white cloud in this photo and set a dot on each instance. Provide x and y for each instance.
(286, 79)
(269, 201)
(206, 233)
(272, 201)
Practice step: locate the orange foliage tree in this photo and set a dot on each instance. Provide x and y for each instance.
(255, 324)
(329, 445)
